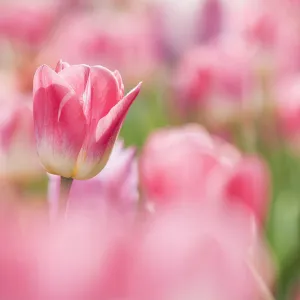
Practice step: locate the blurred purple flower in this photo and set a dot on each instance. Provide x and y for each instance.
(115, 187)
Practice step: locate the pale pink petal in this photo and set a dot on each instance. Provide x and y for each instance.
(60, 125)
(120, 83)
(96, 153)
(77, 76)
(104, 93)
(96, 87)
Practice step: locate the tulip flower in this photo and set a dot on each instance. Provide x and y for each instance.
(27, 24)
(288, 111)
(182, 165)
(213, 79)
(117, 40)
(78, 113)
(200, 252)
(191, 252)
(185, 163)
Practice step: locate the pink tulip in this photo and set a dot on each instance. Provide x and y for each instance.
(114, 188)
(211, 20)
(215, 80)
(183, 163)
(271, 28)
(18, 158)
(262, 28)
(28, 25)
(75, 258)
(78, 113)
(118, 40)
(191, 252)
(248, 185)
(288, 110)
(199, 252)
(182, 25)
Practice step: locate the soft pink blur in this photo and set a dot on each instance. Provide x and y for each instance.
(288, 110)
(27, 25)
(216, 80)
(180, 253)
(187, 164)
(18, 157)
(119, 40)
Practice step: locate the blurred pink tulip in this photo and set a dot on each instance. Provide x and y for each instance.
(118, 40)
(114, 188)
(214, 79)
(199, 252)
(18, 158)
(271, 28)
(78, 113)
(288, 110)
(181, 164)
(25, 24)
(186, 252)
(187, 164)
(182, 25)
(248, 185)
(211, 20)
(75, 258)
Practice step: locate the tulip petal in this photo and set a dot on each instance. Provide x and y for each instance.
(105, 92)
(97, 88)
(96, 153)
(120, 83)
(77, 76)
(60, 124)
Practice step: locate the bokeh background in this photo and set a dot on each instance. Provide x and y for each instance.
(232, 66)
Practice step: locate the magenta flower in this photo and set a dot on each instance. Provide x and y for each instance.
(78, 113)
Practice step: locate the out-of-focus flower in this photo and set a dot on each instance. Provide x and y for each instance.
(271, 28)
(28, 25)
(187, 164)
(75, 258)
(200, 252)
(182, 164)
(18, 158)
(78, 113)
(214, 80)
(118, 40)
(211, 20)
(115, 187)
(182, 25)
(188, 252)
(262, 29)
(248, 184)
(288, 110)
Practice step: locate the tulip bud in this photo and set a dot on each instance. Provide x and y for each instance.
(78, 113)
